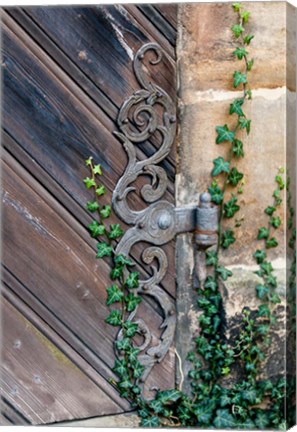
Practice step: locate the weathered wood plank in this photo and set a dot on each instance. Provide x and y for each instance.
(39, 380)
(10, 416)
(30, 214)
(169, 11)
(55, 129)
(162, 25)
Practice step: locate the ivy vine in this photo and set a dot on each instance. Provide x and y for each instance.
(252, 402)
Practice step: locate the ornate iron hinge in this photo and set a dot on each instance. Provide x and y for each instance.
(148, 112)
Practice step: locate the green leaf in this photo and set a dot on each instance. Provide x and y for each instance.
(157, 406)
(275, 222)
(240, 53)
(225, 400)
(263, 233)
(236, 7)
(271, 280)
(106, 211)
(169, 396)
(132, 354)
(267, 267)
(245, 16)
(270, 210)
(130, 328)
(116, 272)
(220, 165)
(234, 177)
(114, 294)
(120, 368)
(260, 256)
(224, 134)
(264, 311)
(114, 318)
(263, 329)
(237, 148)
(230, 207)
(235, 107)
(104, 250)
(210, 283)
(216, 194)
(239, 78)
(89, 161)
(89, 182)
(262, 420)
(138, 370)
(271, 243)
(224, 273)
(237, 30)
(123, 344)
(211, 258)
(132, 280)
(250, 395)
(247, 39)
(151, 422)
(227, 239)
(121, 260)
(97, 169)
(204, 411)
(96, 229)
(245, 124)
(92, 206)
(100, 190)
(250, 64)
(262, 291)
(280, 181)
(224, 420)
(132, 301)
(115, 231)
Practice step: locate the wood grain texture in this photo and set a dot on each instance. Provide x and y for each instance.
(66, 72)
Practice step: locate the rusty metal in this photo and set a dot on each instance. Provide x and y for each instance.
(159, 221)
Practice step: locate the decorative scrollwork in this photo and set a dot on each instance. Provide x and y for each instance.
(148, 113)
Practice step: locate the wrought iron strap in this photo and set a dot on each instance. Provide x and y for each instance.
(148, 112)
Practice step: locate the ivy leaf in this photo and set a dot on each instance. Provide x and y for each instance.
(216, 194)
(157, 406)
(275, 222)
(230, 207)
(224, 273)
(262, 291)
(116, 273)
(237, 30)
(263, 233)
(224, 134)
(250, 64)
(249, 395)
(234, 177)
(262, 420)
(104, 250)
(132, 354)
(106, 211)
(96, 229)
(211, 258)
(235, 107)
(263, 311)
(237, 148)
(114, 294)
(280, 181)
(227, 239)
(92, 206)
(123, 344)
(89, 182)
(120, 368)
(263, 329)
(220, 165)
(89, 161)
(138, 370)
(247, 39)
(270, 210)
(130, 328)
(169, 396)
(271, 243)
(121, 260)
(240, 53)
(224, 420)
(114, 318)
(132, 301)
(260, 256)
(239, 78)
(275, 299)
(225, 400)
(115, 231)
(267, 267)
(132, 280)
(151, 422)
(210, 283)
(100, 190)
(204, 412)
(245, 16)
(271, 280)
(236, 7)
(245, 124)
(97, 169)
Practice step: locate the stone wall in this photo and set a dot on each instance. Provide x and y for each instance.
(206, 66)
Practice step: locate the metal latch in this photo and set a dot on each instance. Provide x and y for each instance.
(149, 113)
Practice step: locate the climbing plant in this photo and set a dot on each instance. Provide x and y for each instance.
(251, 402)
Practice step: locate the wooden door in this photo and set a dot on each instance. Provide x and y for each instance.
(66, 71)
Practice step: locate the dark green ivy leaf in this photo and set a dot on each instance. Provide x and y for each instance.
(169, 396)
(227, 239)
(239, 78)
(259, 256)
(220, 165)
(224, 134)
(224, 420)
(250, 395)
(132, 301)
(210, 283)
(116, 272)
(120, 368)
(123, 344)
(157, 406)
(96, 229)
(230, 207)
(250, 64)
(121, 260)
(262, 420)
(211, 258)
(132, 280)
(105, 211)
(216, 194)
(151, 422)
(234, 177)
(237, 148)
(235, 107)
(130, 328)
(240, 53)
(245, 124)
(114, 294)
(224, 273)
(270, 210)
(92, 206)
(114, 318)
(262, 291)
(104, 250)
(263, 233)
(247, 39)
(132, 354)
(237, 30)
(115, 231)
(275, 222)
(100, 190)
(138, 370)
(89, 182)
(271, 243)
